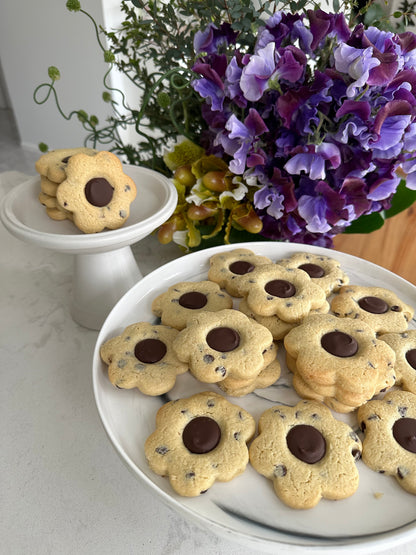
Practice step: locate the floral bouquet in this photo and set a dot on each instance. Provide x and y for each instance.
(306, 129)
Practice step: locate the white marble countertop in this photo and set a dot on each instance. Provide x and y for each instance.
(63, 488)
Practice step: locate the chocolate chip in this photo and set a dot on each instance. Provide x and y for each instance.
(162, 450)
(339, 344)
(150, 351)
(313, 270)
(411, 358)
(280, 288)
(280, 470)
(208, 358)
(356, 453)
(98, 191)
(193, 300)
(404, 432)
(201, 435)
(241, 267)
(375, 305)
(306, 443)
(223, 339)
(221, 370)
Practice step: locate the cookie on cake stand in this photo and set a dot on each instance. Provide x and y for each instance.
(104, 264)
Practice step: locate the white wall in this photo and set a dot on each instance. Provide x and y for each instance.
(36, 35)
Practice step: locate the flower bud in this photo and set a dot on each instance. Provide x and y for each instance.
(73, 5)
(185, 176)
(201, 212)
(166, 230)
(163, 99)
(215, 181)
(247, 218)
(53, 73)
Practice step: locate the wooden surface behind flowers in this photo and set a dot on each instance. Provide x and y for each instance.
(393, 246)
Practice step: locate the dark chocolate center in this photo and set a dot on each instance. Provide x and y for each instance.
(223, 339)
(150, 351)
(280, 288)
(306, 443)
(313, 270)
(404, 432)
(98, 191)
(375, 305)
(339, 344)
(241, 267)
(193, 300)
(201, 435)
(411, 358)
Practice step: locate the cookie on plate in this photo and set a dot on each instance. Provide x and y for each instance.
(223, 344)
(142, 357)
(323, 270)
(288, 293)
(389, 444)
(404, 346)
(226, 268)
(198, 441)
(96, 191)
(380, 308)
(53, 164)
(338, 361)
(185, 299)
(307, 453)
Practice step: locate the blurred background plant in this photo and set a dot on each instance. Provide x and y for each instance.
(170, 51)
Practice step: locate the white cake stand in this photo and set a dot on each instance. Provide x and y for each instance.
(104, 265)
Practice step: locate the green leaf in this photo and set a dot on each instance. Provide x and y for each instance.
(366, 223)
(402, 199)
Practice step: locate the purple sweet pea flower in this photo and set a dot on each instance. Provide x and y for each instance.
(384, 49)
(313, 211)
(323, 24)
(211, 86)
(291, 64)
(383, 188)
(271, 200)
(355, 62)
(240, 141)
(312, 162)
(232, 83)
(211, 38)
(256, 74)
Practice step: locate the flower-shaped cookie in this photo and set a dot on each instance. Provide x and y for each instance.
(404, 346)
(307, 453)
(389, 445)
(187, 298)
(324, 271)
(97, 192)
(338, 359)
(286, 292)
(199, 440)
(378, 307)
(226, 268)
(223, 344)
(142, 357)
(53, 164)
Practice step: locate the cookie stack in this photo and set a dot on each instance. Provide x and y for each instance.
(52, 170)
(87, 187)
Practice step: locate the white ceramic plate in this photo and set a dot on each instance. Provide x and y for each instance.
(246, 509)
